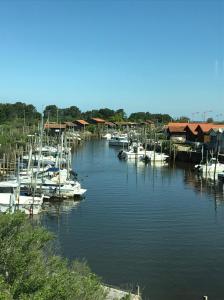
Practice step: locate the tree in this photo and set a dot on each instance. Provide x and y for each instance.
(137, 116)
(106, 113)
(183, 119)
(51, 112)
(210, 120)
(122, 113)
(29, 271)
(15, 112)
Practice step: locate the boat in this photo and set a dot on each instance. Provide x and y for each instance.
(119, 140)
(12, 199)
(152, 156)
(54, 183)
(135, 151)
(107, 136)
(213, 166)
(9, 192)
(65, 190)
(29, 203)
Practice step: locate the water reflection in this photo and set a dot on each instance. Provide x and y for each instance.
(56, 208)
(199, 183)
(204, 185)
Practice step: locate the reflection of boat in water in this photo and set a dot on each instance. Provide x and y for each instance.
(159, 164)
(54, 208)
(204, 185)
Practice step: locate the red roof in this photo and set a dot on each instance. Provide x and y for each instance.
(177, 124)
(82, 122)
(176, 128)
(192, 128)
(98, 120)
(206, 127)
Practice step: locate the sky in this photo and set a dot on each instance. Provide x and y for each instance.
(157, 56)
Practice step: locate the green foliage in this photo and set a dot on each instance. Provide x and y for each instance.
(28, 272)
(183, 119)
(210, 120)
(18, 111)
(20, 114)
(156, 118)
(54, 114)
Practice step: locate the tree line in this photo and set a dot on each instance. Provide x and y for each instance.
(27, 113)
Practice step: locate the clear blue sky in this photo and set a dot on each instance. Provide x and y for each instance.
(158, 56)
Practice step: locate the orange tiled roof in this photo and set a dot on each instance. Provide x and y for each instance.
(82, 122)
(176, 128)
(98, 120)
(206, 127)
(192, 128)
(177, 124)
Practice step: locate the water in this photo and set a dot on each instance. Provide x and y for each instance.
(161, 227)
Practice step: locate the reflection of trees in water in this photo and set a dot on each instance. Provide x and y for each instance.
(203, 185)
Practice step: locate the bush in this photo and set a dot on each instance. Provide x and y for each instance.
(28, 272)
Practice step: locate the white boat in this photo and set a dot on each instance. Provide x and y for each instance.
(56, 184)
(119, 140)
(213, 166)
(107, 136)
(9, 192)
(134, 152)
(153, 156)
(64, 190)
(29, 204)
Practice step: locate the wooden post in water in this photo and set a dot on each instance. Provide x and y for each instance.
(161, 150)
(3, 165)
(154, 150)
(202, 153)
(174, 153)
(138, 291)
(206, 164)
(216, 156)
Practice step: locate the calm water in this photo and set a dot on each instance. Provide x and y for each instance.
(161, 227)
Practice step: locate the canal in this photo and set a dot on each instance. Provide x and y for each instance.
(159, 227)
